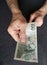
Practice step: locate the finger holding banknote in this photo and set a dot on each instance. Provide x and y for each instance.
(38, 16)
(17, 28)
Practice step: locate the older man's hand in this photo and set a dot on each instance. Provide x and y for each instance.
(38, 16)
(17, 27)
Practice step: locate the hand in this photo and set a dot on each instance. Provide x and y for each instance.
(38, 16)
(17, 27)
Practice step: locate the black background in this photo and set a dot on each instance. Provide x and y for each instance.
(30, 6)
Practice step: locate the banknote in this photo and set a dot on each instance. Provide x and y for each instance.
(28, 51)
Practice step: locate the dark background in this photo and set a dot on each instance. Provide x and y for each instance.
(8, 45)
(30, 6)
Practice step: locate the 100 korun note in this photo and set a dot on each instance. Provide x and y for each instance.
(28, 51)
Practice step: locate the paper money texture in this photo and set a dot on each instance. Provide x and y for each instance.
(28, 51)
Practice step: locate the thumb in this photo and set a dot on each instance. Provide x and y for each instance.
(32, 17)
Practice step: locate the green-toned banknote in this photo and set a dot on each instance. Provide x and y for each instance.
(28, 51)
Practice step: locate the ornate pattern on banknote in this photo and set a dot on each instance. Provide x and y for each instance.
(28, 51)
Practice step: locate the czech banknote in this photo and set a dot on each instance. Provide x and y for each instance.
(28, 51)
